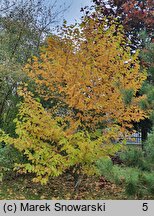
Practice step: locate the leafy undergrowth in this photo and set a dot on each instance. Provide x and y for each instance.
(95, 188)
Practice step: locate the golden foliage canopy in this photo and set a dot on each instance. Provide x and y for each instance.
(92, 71)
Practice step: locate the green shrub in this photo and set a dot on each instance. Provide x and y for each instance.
(131, 185)
(105, 167)
(144, 160)
(150, 183)
(136, 182)
(133, 157)
(8, 156)
(149, 152)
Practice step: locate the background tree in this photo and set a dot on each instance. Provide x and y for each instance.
(134, 15)
(147, 56)
(23, 27)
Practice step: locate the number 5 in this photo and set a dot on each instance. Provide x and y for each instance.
(145, 207)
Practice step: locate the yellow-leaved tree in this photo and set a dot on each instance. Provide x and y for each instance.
(92, 76)
(93, 80)
(49, 149)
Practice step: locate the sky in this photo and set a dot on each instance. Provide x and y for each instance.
(73, 12)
